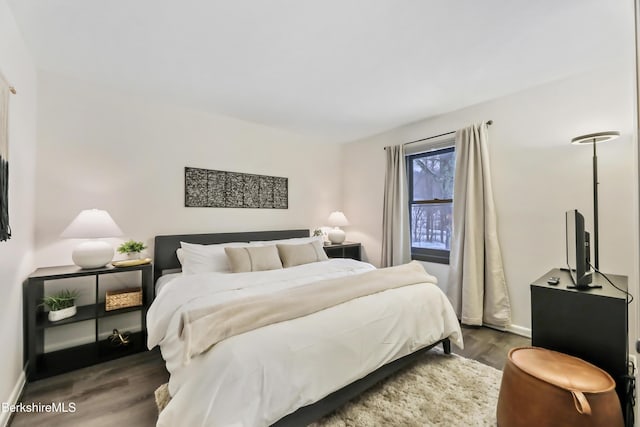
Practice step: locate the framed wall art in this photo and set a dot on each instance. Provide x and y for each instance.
(205, 188)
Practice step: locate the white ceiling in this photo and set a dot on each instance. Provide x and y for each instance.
(335, 69)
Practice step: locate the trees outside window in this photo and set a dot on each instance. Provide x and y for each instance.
(430, 177)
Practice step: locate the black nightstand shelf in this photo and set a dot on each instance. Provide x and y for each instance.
(40, 364)
(81, 356)
(344, 250)
(85, 312)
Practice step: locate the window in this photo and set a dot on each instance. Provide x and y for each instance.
(430, 177)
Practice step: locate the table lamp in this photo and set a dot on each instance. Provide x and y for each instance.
(337, 220)
(92, 224)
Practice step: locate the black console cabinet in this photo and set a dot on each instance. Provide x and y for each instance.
(591, 325)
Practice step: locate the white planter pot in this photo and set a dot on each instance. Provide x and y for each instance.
(133, 255)
(54, 316)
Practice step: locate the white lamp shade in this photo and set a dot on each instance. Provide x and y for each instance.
(337, 219)
(92, 224)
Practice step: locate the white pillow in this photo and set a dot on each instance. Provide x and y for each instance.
(180, 255)
(292, 241)
(205, 258)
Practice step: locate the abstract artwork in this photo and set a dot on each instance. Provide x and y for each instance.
(206, 188)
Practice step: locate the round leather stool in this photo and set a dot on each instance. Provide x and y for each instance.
(541, 387)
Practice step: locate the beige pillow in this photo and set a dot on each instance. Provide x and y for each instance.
(253, 258)
(292, 255)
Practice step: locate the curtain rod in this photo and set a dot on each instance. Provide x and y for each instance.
(489, 123)
(12, 89)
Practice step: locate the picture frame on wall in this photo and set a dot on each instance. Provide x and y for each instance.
(206, 188)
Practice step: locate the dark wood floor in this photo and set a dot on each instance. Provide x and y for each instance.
(489, 346)
(120, 392)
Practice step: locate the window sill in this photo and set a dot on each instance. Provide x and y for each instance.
(430, 258)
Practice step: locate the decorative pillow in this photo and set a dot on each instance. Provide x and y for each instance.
(180, 255)
(205, 258)
(292, 255)
(253, 258)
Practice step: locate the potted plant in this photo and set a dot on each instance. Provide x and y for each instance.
(61, 305)
(132, 249)
(319, 232)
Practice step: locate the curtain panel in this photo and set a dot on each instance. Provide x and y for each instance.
(477, 285)
(5, 230)
(396, 244)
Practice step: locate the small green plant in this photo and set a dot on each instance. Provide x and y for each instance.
(60, 300)
(131, 246)
(317, 232)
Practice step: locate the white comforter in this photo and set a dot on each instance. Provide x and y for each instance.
(256, 378)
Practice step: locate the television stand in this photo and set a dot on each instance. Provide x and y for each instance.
(590, 325)
(584, 287)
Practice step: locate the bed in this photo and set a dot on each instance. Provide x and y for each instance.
(293, 372)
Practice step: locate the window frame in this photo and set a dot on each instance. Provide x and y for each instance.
(438, 256)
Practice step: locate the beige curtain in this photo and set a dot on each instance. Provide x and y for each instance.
(477, 286)
(396, 246)
(5, 230)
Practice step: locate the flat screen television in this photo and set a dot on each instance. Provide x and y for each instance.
(578, 250)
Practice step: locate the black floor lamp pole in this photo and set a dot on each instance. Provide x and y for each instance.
(596, 251)
(595, 138)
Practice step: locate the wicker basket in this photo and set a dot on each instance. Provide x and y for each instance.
(122, 298)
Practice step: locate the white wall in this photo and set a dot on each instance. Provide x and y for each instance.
(16, 254)
(99, 148)
(537, 175)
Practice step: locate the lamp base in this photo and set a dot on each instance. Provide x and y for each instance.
(336, 236)
(92, 254)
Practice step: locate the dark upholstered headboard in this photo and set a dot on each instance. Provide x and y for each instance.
(164, 253)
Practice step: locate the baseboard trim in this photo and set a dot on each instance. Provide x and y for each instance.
(5, 417)
(520, 330)
(514, 329)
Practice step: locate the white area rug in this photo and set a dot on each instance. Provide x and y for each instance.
(438, 390)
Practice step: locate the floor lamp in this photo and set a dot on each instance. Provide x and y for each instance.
(594, 139)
